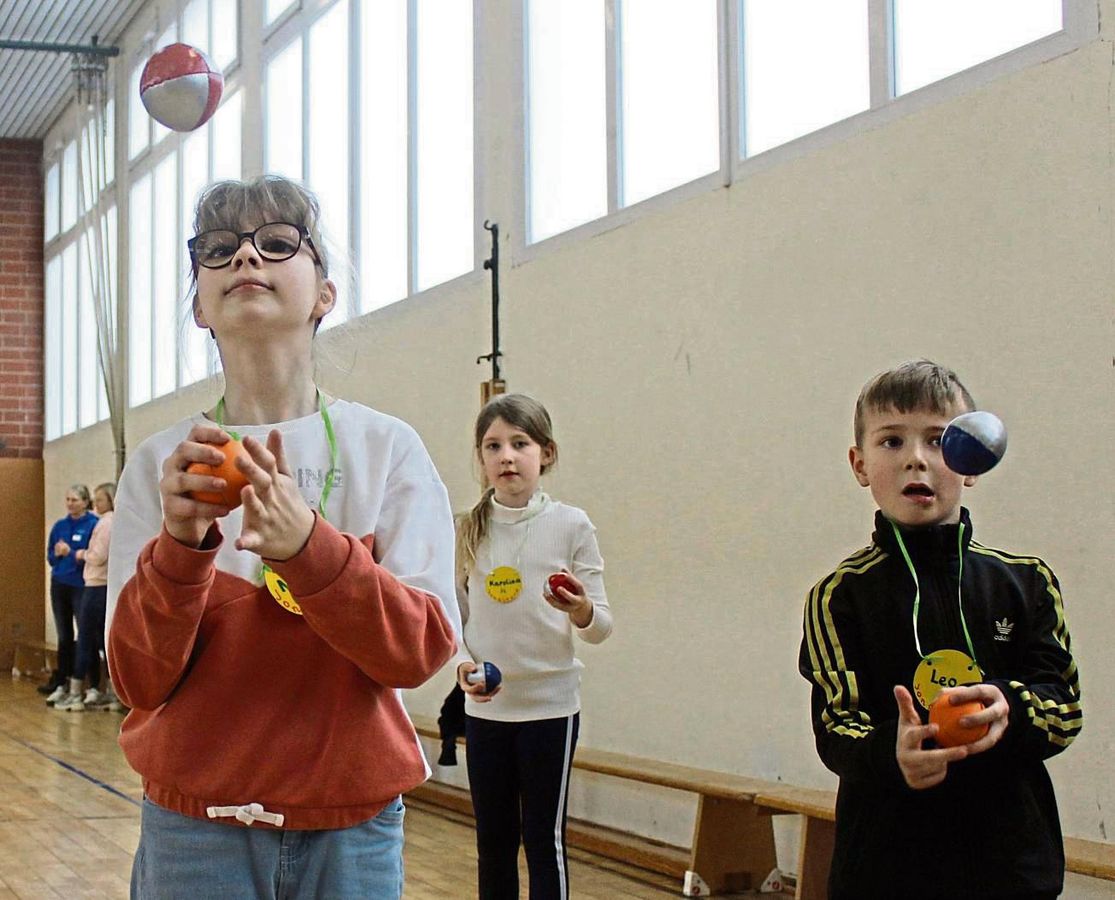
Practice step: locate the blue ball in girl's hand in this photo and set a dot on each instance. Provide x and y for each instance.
(973, 443)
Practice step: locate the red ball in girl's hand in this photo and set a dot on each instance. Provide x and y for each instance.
(560, 579)
(235, 480)
(950, 733)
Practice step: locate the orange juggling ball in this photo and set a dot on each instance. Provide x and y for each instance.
(235, 480)
(947, 716)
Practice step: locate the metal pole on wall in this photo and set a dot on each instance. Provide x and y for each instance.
(495, 384)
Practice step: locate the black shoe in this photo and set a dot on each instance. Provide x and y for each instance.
(56, 681)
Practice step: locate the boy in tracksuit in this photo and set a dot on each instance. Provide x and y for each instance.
(922, 607)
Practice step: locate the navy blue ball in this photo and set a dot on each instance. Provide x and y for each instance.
(974, 442)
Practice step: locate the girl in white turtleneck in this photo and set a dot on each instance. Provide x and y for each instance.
(521, 737)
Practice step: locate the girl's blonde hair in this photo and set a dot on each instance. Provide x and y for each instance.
(109, 489)
(518, 411)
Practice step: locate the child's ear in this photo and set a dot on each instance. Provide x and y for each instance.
(856, 461)
(548, 455)
(326, 298)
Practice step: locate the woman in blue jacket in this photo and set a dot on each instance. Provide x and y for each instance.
(69, 534)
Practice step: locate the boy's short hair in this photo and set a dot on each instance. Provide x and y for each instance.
(918, 384)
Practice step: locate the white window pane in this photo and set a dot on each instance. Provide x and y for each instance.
(139, 292)
(670, 105)
(69, 339)
(168, 37)
(445, 157)
(567, 127)
(383, 141)
(110, 233)
(276, 8)
(110, 142)
(88, 172)
(50, 203)
(284, 112)
(799, 79)
(165, 257)
(69, 185)
(53, 362)
(226, 138)
(328, 175)
(88, 374)
(224, 33)
(139, 122)
(195, 176)
(195, 25)
(937, 38)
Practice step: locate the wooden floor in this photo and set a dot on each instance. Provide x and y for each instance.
(69, 818)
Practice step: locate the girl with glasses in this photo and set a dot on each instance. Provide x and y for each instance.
(261, 640)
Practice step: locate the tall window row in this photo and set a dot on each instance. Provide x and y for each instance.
(625, 98)
(372, 106)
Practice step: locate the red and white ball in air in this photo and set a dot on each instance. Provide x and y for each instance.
(180, 87)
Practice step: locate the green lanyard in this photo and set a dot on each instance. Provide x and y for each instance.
(330, 437)
(917, 588)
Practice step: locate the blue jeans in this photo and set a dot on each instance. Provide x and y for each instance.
(91, 634)
(183, 858)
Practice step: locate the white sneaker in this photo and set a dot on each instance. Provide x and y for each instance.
(59, 693)
(114, 705)
(93, 697)
(70, 703)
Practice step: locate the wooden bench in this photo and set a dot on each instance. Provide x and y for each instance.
(733, 836)
(34, 658)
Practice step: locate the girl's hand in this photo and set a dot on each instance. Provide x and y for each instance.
(277, 521)
(996, 713)
(573, 602)
(476, 691)
(61, 548)
(187, 520)
(921, 768)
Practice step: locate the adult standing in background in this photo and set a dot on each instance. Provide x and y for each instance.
(69, 534)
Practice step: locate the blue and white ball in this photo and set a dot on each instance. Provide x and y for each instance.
(974, 442)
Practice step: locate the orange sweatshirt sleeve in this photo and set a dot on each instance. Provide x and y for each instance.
(396, 634)
(155, 625)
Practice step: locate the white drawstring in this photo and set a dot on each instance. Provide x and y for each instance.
(248, 813)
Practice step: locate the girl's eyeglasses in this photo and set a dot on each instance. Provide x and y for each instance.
(275, 241)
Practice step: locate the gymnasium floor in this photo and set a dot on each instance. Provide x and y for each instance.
(69, 820)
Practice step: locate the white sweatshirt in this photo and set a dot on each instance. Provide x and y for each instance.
(529, 640)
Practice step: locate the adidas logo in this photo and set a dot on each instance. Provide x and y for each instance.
(1004, 629)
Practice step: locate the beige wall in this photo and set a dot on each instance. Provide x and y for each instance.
(701, 364)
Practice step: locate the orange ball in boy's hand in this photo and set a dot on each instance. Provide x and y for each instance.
(235, 480)
(950, 733)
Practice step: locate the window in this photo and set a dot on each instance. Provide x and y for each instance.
(670, 119)
(937, 38)
(70, 347)
(50, 203)
(444, 147)
(138, 121)
(328, 132)
(139, 290)
(276, 8)
(226, 138)
(69, 186)
(166, 254)
(225, 31)
(53, 348)
(799, 79)
(283, 101)
(384, 214)
(567, 150)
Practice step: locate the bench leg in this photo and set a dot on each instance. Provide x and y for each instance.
(733, 845)
(814, 858)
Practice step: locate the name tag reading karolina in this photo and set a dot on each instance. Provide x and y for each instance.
(503, 584)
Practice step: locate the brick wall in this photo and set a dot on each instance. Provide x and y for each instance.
(21, 299)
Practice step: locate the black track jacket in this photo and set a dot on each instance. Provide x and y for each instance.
(991, 828)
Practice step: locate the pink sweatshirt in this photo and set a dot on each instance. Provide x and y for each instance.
(96, 554)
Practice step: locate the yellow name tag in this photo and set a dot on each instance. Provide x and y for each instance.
(943, 669)
(503, 584)
(280, 591)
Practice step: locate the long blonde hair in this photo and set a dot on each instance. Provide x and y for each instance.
(518, 411)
